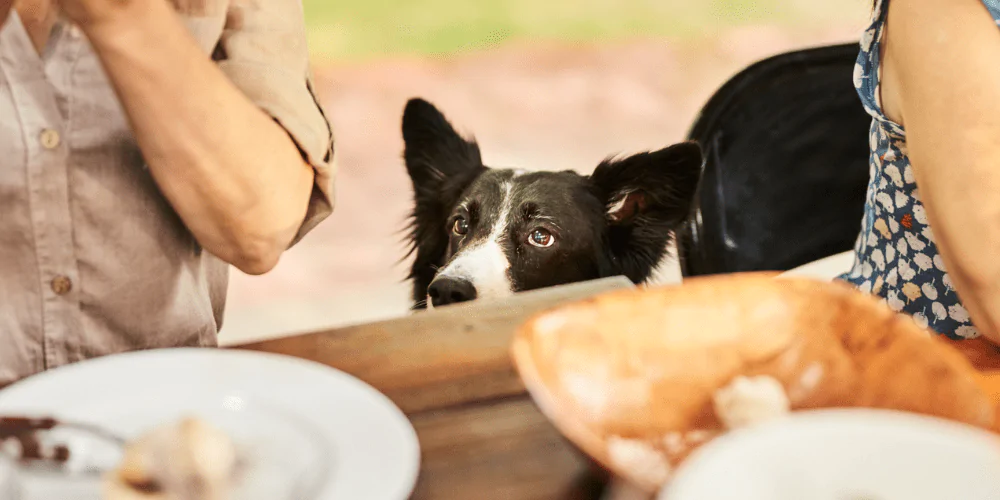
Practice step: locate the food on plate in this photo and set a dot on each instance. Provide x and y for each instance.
(638, 379)
(185, 460)
(19, 437)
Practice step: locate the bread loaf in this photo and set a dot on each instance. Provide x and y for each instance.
(640, 378)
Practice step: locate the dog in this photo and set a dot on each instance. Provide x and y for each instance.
(478, 232)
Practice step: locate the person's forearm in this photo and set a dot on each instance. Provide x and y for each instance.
(945, 54)
(5, 8)
(234, 176)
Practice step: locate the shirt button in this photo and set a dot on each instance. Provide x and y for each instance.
(61, 285)
(49, 139)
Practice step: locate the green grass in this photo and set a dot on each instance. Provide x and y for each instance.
(362, 29)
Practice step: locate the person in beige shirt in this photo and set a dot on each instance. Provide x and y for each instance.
(146, 145)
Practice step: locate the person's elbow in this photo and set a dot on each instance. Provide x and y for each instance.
(258, 258)
(257, 246)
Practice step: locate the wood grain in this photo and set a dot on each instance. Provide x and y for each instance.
(450, 371)
(440, 358)
(500, 450)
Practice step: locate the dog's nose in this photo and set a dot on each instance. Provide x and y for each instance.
(445, 290)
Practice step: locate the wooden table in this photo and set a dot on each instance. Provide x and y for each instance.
(449, 370)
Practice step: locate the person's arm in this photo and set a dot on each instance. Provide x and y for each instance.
(942, 69)
(5, 7)
(233, 174)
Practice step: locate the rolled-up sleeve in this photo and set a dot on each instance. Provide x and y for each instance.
(263, 52)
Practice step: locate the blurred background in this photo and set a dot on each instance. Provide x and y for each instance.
(543, 85)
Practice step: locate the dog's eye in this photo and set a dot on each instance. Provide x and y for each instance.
(460, 227)
(541, 238)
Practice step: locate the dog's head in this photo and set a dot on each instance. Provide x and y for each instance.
(485, 232)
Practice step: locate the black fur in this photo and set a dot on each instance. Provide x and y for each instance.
(441, 164)
(653, 192)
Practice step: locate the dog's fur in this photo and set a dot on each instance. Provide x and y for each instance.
(524, 230)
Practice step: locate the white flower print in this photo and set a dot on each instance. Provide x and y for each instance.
(922, 261)
(890, 253)
(893, 300)
(905, 271)
(930, 291)
(866, 270)
(878, 259)
(866, 287)
(958, 313)
(893, 226)
(967, 332)
(901, 199)
(939, 311)
(919, 214)
(893, 172)
(872, 240)
(859, 72)
(893, 277)
(908, 175)
(928, 233)
(901, 246)
(886, 201)
(920, 319)
(946, 281)
(915, 242)
(939, 263)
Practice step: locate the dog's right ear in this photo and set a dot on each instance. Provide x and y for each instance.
(441, 165)
(436, 156)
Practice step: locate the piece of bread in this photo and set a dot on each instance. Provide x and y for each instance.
(640, 378)
(185, 460)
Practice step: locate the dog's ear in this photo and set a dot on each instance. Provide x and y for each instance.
(646, 197)
(441, 165)
(435, 153)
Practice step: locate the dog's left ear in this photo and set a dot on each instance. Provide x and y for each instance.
(646, 197)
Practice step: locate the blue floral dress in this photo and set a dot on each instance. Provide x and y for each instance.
(895, 254)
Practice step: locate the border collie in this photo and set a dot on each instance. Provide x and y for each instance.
(489, 232)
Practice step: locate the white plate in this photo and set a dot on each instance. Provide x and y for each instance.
(845, 455)
(366, 446)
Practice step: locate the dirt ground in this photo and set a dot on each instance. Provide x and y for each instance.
(536, 107)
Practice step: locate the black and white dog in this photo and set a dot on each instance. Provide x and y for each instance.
(486, 232)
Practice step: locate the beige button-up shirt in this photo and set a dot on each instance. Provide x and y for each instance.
(93, 260)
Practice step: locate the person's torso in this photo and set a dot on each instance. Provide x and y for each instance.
(896, 257)
(93, 260)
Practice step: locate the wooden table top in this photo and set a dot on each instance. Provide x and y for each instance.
(450, 371)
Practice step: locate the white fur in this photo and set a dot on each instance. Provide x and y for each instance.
(485, 265)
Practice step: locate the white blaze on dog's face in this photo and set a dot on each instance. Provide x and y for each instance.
(511, 231)
(483, 263)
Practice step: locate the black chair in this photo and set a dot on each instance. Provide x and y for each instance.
(786, 143)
